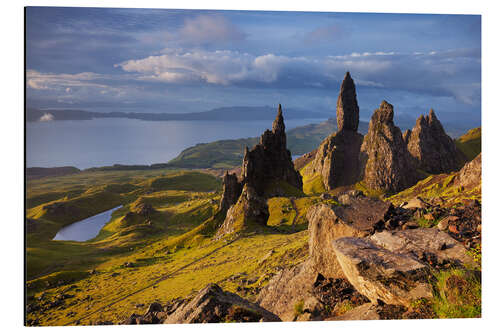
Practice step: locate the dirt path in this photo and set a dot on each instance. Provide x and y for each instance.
(163, 278)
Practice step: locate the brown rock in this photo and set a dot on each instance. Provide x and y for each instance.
(286, 289)
(303, 160)
(214, 305)
(423, 243)
(431, 148)
(337, 159)
(416, 203)
(230, 192)
(270, 162)
(361, 217)
(382, 275)
(249, 210)
(385, 161)
(347, 106)
(470, 175)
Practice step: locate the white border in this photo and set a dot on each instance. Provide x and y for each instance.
(12, 162)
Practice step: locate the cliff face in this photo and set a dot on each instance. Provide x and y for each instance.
(270, 162)
(385, 161)
(337, 156)
(431, 148)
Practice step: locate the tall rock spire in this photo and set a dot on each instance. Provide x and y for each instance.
(347, 106)
(279, 124)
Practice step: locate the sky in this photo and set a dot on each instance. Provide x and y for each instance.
(159, 60)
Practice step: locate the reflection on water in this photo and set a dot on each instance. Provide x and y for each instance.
(85, 229)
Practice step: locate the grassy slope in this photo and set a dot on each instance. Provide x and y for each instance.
(180, 234)
(470, 143)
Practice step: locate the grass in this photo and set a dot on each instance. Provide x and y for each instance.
(470, 143)
(457, 294)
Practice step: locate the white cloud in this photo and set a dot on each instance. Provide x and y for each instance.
(47, 117)
(207, 29)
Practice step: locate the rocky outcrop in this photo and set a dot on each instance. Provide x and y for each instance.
(385, 162)
(303, 160)
(431, 148)
(337, 158)
(359, 217)
(347, 106)
(406, 136)
(382, 275)
(270, 162)
(470, 174)
(230, 192)
(214, 305)
(249, 211)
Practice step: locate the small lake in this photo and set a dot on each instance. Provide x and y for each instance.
(85, 229)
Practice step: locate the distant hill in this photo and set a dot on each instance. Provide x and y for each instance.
(229, 153)
(234, 113)
(33, 173)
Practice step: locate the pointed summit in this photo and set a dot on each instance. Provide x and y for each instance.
(347, 106)
(279, 124)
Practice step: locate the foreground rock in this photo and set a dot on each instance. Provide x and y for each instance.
(359, 217)
(431, 148)
(428, 245)
(470, 174)
(214, 305)
(382, 275)
(385, 162)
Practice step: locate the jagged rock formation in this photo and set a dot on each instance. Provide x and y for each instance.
(230, 192)
(470, 174)
(431, 148)
(347, 106)
(250, 209)
(267, 170)
(385, 161)
(406, 136)
(337, 156)
(270, 162)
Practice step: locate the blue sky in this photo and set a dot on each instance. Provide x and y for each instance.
(185, 60)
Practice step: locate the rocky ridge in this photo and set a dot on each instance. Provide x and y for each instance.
(431, 148)
(385, 161)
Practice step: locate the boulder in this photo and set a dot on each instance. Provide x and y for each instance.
(385, 162)
(359, 218)
(382, 275)
(416, 203)
(214, 305)
(470, 174)
(424, 244)
(286, 289)
(431, 148)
